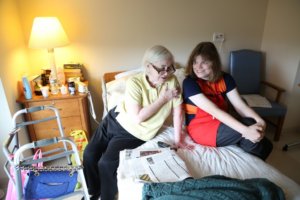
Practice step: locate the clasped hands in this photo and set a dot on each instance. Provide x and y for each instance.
(256, 132)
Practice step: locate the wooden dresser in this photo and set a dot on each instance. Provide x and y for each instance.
(73, 110)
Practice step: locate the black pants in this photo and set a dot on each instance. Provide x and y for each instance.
(228, 136)
(101, 156)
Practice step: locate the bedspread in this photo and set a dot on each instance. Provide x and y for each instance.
(214, 187)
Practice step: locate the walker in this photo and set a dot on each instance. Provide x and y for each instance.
(14, 153)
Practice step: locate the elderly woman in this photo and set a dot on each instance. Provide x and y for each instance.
(149, 99)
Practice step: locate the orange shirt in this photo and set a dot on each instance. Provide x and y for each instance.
(202, 126)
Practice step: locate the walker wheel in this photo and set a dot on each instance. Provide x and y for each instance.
(285, 147)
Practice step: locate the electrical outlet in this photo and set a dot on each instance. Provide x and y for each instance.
(218, 37)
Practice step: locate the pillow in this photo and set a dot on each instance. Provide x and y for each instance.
(180, 75)
(115, 91)
(128, 73)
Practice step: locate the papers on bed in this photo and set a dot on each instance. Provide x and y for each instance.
(155, 165)
(255, 100)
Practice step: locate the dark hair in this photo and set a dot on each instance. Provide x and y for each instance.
(209, 52)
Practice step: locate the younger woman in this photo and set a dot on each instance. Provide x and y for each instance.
(208, 123)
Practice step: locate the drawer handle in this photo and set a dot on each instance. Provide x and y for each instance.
(53, 104)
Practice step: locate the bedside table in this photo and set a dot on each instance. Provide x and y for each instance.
(73, 111)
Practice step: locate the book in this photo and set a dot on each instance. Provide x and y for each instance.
(69, 70)
(73, 66)
(73, 74)
(74, 77)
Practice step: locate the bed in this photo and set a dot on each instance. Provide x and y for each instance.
(202, 161)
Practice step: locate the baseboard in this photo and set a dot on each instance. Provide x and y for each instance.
(3, 187)
(3, 183)
(291, 130)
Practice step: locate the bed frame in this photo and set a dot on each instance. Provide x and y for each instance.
(106, 78)
(110, 76)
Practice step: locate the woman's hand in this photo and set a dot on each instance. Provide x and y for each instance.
(184, 145)
(254, 133)
(263, 125)
(168, 94)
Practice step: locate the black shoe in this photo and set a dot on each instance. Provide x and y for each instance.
(94, 197)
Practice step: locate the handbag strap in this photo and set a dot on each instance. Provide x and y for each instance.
(37, 155)
(50, 168)
(37, 170)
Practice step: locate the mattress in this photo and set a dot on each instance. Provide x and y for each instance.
(230, 161)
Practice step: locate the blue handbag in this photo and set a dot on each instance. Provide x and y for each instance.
(49, 184)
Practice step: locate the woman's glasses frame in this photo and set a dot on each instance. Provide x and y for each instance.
(161, 71)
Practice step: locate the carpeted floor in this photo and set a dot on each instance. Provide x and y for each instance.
(288, 162)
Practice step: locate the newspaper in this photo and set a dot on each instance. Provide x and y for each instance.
(156, 165)
(255, 100)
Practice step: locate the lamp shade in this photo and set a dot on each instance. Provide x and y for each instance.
(47, 32)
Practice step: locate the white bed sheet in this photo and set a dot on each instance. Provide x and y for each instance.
(203, 161)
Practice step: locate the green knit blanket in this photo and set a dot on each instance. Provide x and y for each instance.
(214, 187)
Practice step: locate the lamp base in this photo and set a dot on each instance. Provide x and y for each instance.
(53, 84)
(52, 62)
(53, 75)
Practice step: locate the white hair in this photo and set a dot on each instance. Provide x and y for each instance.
(155, 54)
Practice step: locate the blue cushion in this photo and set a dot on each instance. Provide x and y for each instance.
(277, 110)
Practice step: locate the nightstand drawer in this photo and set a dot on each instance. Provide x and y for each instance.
(65, 108)
(73, 112)
(50, 129)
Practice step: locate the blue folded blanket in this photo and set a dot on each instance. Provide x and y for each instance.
(214, 187)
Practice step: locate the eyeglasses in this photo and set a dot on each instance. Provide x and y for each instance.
(161, 71)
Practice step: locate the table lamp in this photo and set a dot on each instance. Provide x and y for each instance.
(47, 32)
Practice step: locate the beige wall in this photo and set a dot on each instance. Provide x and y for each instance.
(282, 46)
(108, 35)
(13, 57)
(13, 64)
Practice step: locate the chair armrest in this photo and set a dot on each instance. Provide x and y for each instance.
(275, 87)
